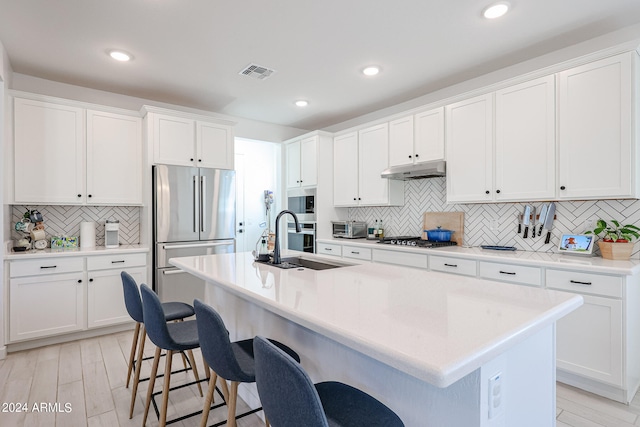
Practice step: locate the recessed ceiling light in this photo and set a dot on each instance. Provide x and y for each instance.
(302, 103)
(496, 10)
(120, 55)
(371, 71)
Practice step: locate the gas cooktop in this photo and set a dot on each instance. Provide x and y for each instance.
(414, 241)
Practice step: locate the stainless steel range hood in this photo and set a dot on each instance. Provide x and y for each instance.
(416, 171)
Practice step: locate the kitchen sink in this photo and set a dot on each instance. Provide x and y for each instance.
(301, 262)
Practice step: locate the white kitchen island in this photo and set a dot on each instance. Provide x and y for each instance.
(425, 343)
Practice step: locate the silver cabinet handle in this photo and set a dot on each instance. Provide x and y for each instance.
(328, 249)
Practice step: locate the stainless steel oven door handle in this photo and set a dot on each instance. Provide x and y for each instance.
(197, 245)
(311, 233)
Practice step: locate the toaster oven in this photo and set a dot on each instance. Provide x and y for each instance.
(349, 229)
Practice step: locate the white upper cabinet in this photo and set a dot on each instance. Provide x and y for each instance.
(516, 160)
(185, 141)
(597, 139)
(470, 150)
(417, 138)
(114, 158)
(345, 170)
(49, 144)
(359, 159)
(58, 162)
(302, 163)
(214, 145)
(525, 155)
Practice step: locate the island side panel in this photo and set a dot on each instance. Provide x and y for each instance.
(416, 402)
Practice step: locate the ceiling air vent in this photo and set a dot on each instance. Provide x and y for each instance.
(256, 71)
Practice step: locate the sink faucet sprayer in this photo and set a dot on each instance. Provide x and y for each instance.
(276, 246)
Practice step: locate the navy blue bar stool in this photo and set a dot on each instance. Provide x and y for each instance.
(171, 337)
(290, 399)
(232, 361)
(172, 311)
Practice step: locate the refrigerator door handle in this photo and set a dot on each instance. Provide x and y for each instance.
(170, 272)
(203, 192)
(195, 191)
(198, 245)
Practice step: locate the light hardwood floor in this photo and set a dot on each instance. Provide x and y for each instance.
(90, 375)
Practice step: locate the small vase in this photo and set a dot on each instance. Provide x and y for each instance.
(614, 250)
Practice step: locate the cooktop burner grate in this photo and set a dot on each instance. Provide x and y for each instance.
(414, 241)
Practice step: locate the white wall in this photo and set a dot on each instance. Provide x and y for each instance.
(245, 128)
(628, 36)
(5, 79)
(263, 171)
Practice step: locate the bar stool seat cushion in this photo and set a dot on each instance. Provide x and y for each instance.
(243, 350)
(177, 310)
(184, 334)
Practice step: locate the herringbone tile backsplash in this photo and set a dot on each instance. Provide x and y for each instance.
(65, 221)
(429, 195)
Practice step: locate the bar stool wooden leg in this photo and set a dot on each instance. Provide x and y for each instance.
(195, 370)
(209, 399)
(233, 397)
(136, 376)
(134, 344)
(225, 389)
(165, 389)
(266, 421)
(184, 359)
(152, 381)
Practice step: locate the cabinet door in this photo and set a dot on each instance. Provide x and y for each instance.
(45, 305)
(373, 158)
(214, 146)
(470, 150)
(308, 161)
(345, 170)
(105, 300)
(114, 159)
(589, 340)
(429, 135)
(525, 163)
(292, 154)
(401, 150)
(49, 153)
(596, 130)
(173, 140)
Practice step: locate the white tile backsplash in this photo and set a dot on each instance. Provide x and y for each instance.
(493, 223)
(65, 221)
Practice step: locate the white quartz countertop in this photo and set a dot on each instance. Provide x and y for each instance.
(434, 326)
(541, 259)
(98, 250)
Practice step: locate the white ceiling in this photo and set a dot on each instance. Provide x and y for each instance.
(189, 52)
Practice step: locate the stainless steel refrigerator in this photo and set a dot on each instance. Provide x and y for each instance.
(193, 214)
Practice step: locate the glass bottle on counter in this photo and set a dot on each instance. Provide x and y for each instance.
(375, 230)
(380, 230)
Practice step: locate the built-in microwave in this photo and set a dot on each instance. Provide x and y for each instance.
(302, 202)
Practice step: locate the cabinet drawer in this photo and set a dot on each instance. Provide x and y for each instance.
(45, 266)
(329, 249)
(519, 274)
(116, 261)
(400, 258)
(588, 283)
(453, 265)
(356, 252)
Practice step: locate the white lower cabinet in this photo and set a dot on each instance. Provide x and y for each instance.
(466, 267)
(329, 249)
(105, 300)
(41, 306)
(517, 274)
(52, 296)
(356, 252)
(400, 258)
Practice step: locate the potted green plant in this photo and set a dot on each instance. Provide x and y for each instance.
(616, 239)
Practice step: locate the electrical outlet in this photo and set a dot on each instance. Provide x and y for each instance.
(588, 224)
(495, 395)
(493, 224)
